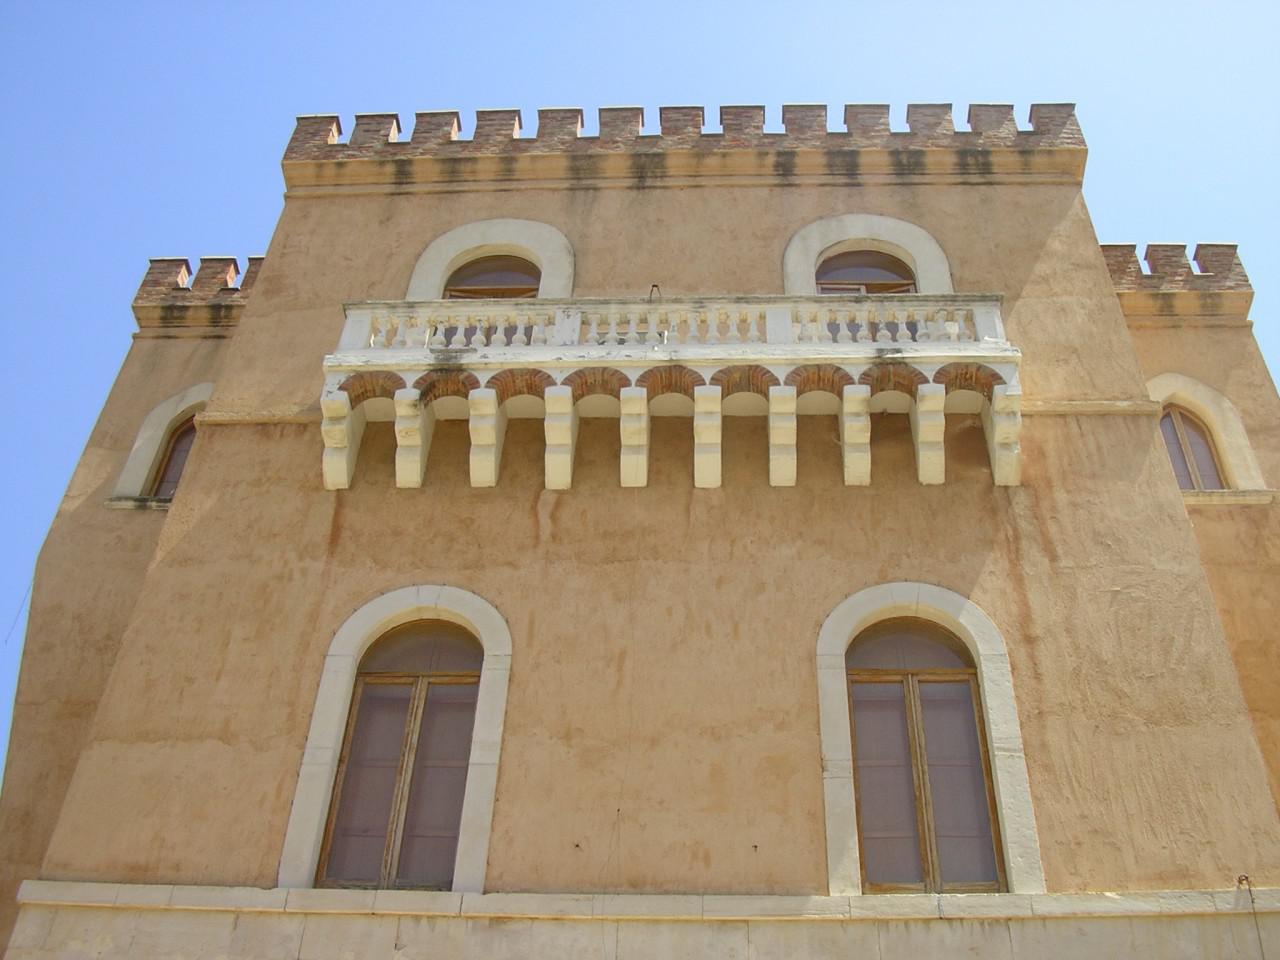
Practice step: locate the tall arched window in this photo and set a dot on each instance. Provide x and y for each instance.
(1195, 463)
(397, 803)
(925, 803)
(175, 460)
(507, 278)
(862, 272)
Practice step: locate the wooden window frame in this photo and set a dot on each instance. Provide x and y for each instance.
(1177, 414)
(930, 866)
(394, 836)
(170, 442)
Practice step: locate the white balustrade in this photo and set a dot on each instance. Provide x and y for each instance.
(509, 326)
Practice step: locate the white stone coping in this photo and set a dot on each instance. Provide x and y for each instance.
(585, 906)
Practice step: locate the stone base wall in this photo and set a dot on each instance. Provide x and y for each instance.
(116, 921)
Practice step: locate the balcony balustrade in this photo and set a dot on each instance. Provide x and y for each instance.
(921, 355)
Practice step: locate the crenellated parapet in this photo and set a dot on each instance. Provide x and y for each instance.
(171, 303)
(931, 146)
(1217, 287)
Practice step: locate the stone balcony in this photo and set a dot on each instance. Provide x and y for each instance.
(488, 361)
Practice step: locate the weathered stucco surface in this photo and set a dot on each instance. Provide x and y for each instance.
(1239, 544)
(90, 571)
(661, 731)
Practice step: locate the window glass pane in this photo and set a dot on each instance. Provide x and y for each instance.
(957, 785)
(373, 761)
(434, 809)
(875, 271)
(425, 646)
(906, 644)
(1176, 457)
(175, 460)
(1202, 452)
(886, 785)
(494, 277)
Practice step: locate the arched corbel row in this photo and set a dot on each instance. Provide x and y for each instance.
(595, 381)
(819, 376)
(670, 379)
(1001, 415)
(488, 421)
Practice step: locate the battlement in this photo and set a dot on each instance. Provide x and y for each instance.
(169, 302)
(931, 144)
(1218, 287)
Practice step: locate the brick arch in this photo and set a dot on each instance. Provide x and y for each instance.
(590, 381)
(820, 376)
(524, 381)
(365, 386)
(893, 376)
(977, 377)
(435, 384)
(744, 378)
(673, 379)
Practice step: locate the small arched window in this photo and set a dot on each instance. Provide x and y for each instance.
(922, 778)
(397, 802)
(864, 272)
(1195, 463)
(175, 460)
(506, 278)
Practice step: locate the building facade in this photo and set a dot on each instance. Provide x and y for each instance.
(740, 544)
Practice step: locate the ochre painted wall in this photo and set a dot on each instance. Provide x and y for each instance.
(662, 730)
(89, 573)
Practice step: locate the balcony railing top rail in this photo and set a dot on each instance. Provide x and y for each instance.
(497, 328)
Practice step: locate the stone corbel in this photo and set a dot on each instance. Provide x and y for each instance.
(415, 423)
(855, 434)
(782, 436)
(1002, 423)
(634, 430)
(488, 424)
(342, 429)
(706, 437)
(561, 430)
(928, 424)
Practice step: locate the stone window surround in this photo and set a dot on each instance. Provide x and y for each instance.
(309, 814)
(1235, 454)
(1021, 846)
(143, 460)
(823, 238)
(540, 243)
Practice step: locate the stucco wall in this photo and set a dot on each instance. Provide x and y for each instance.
(87, 578)
(661, 729)
(1239, 543)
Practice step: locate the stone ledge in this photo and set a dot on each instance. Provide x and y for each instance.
(138, 503)
(1224, 497)
(645, 906)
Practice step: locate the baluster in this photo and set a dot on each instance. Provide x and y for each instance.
(460, 333)
(713, 326)
(614, 339)
(677, 327)
(864, 325)
(733, 318)
(498, 331)
(753, 326)
(883, 318)
(843, 320)
(520, 339)
(633, 329)
(968, 329)
(434, 332)
(538, 336)
(950, 326)
(816, 326)
(926, 327)
(830, 320)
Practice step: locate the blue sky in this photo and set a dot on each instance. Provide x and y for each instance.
(139, 130)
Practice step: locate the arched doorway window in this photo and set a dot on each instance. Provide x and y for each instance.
(175, 460)
(922, 778)
(1195, 463)
(858, 272)
(507, 278)
(397, 802)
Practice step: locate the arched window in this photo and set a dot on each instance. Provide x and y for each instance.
(862, 272)
(397, 803)
(925, 804)
(175, 459)
(508, 278)
(1195, 463)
